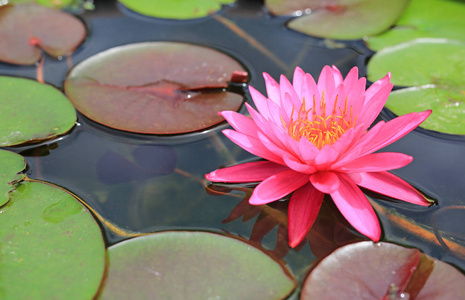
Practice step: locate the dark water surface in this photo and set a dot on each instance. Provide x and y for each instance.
(146, 183)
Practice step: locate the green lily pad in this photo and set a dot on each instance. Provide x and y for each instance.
(422, 61)
(51, 3)
(340, 19)
(11, 164)
(427, 19)
(32, 112)
(437, 68)
(368, 270)
(51, 247)
(448, 106)
(193, 265)
(180, 9)
(155, 87)
(37, 28)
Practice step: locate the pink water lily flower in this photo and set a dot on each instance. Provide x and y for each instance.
(315, 139)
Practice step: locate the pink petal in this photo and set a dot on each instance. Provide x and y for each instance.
(310, 91)
(272, 88)
(247, 172)
(394, 130)
(356, 96)
(325, 182)
(298, 166)
(377, 162)
(271, 146)
(252, 145)
(298, 81)
(274, 114)
(374, 106)
(390, 185)
(308, 150)
(267, 127)
(376, 86)
(287, 88)
(351, 78)
(241, 123)
(326, 157)
(383, 134)
(277, 186)
(337, 76)
(303, 209)
(356, 208)
(326, 81)
(260, 102)
(361, 140)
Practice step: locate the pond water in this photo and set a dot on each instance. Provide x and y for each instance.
(148, 183)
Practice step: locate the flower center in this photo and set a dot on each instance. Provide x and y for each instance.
(319, 128)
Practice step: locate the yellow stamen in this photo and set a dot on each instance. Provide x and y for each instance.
(318, 128)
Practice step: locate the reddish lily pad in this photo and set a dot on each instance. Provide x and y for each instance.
(368, 270)
(346, 20)
(193, 265)
(155, 88)
(180, 9)
(424, 19)
(32, 111)
(26, 29)
(51, 247)
(11, 165)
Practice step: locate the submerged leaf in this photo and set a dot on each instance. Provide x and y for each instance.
(368, 270)
(346, 20)
(26, 29)
(32, 111)
(180, 9)
(155, 88)
(11, 164)
(51, 247)
(193, 265)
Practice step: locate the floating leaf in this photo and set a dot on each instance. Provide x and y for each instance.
(32, 111)
(346, 20)
(180, 9)
(51, 247)
(368, 270)
(37, 28)
(155, 88)
(424, 18)
(437, 66)
(11, 164)
(448, 107)
(193, 265)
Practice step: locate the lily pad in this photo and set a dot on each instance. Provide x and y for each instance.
(448, 106)
(32, 111)
(193, 265)
(340, 19)
(368, 270)
(180, 9)
(155, 87)
(11, 164)
(51, 247)
(437, 68)
(424, 19)
(37, 28)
